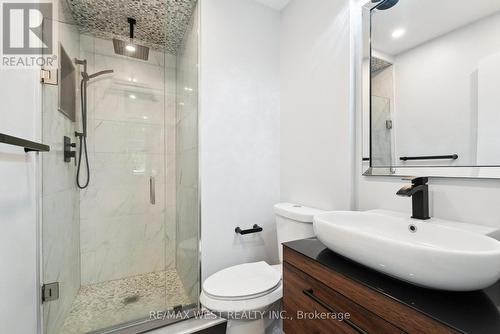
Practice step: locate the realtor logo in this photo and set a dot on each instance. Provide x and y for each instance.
(28, 34)
(27, 28)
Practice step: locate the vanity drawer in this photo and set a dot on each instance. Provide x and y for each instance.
(304, 293)
(402, 317)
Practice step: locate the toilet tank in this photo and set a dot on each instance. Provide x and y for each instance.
(293, 222)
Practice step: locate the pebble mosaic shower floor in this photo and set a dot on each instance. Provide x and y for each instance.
(106, 304)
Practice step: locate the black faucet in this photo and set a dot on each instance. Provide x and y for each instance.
(418, 190)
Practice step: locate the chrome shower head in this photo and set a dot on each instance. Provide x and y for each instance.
(385, 4)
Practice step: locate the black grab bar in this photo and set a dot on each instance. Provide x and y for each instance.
(29, 146)
(431, 157)
(256, 228)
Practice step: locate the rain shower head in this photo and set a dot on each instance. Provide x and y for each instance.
(128, 48)
(385, 4)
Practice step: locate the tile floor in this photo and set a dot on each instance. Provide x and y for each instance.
(110, 303)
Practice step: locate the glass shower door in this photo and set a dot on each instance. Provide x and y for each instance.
(382, 124)
(126, 245)
(187, 163)
(112, 247)
(123, 225)
(60, 198)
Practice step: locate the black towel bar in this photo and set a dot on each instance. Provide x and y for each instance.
(431, 157)
(29, 146)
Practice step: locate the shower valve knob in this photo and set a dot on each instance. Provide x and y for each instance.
(68, 153)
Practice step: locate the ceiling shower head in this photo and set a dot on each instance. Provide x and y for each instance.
(129, 48)
(385, 4)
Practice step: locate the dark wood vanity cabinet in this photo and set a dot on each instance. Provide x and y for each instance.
(313, 294)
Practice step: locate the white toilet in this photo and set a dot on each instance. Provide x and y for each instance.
(249, 294)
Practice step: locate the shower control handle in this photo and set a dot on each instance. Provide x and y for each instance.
(68, 152)
(152, 190)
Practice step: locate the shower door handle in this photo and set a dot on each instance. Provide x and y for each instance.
(152, 191)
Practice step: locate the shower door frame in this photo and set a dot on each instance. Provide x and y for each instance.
(140, 326)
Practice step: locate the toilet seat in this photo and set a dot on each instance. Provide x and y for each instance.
(244, 281)
(245, 287)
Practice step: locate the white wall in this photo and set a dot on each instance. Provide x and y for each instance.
(240, 128)
(20, 115)
(316, 127)
(473, 201)
(488, 117)
(241, 93)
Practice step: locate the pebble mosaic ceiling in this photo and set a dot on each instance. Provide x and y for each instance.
(160, 23)
(379, 64)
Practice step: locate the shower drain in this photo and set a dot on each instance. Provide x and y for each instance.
(131, 299)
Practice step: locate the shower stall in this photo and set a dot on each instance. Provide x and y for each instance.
(125, 246)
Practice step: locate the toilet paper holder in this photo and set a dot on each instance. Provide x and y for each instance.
(256, 228)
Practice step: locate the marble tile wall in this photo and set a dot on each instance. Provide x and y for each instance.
(122, 233)
(382, 111)
(187, 160)
(60, 200)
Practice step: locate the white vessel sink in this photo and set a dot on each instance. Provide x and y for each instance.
(427, 253)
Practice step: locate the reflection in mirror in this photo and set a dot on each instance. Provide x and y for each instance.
(435, 84)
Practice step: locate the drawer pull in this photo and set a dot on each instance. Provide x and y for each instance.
(310, 293)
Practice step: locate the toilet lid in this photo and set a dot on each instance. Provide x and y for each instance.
(248, 280)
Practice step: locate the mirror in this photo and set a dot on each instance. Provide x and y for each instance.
(433, 102)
